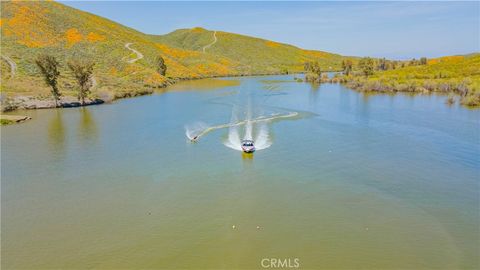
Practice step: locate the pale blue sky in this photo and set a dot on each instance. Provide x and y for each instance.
(381, 29)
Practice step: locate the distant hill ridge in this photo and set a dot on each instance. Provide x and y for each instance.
(259, 55)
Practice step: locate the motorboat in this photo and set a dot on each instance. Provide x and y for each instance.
(248, 146)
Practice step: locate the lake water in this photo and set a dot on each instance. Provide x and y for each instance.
(352, 181)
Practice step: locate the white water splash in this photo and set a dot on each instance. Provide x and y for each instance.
(248, 131)
(193, 131)
(233, 141)
(197, 130)
(254, 129)
(262, 139)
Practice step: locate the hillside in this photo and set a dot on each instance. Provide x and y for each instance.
(257, 55)
(30, 29)
(33, 28)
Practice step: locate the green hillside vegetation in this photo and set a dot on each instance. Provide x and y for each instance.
(453, 75)
(30, 29)
(254, 54)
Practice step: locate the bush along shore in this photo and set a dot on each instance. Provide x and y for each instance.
(465, 90)
(457, 77)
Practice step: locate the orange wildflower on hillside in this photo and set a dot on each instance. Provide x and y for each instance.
(73, 36)
(154, 79)
(198, 30)
(453, 58)
(31, 28)
(272, 44)
(94, 37)
(177, 53)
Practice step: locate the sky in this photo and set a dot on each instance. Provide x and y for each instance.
(396, 30)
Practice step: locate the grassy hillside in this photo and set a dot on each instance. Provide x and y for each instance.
(30, 28)
(451, 75)
(33, 28)
(255, 54)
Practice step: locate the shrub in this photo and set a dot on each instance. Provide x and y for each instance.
(472, 99)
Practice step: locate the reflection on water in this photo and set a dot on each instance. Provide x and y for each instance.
(247, 156)
(56, 131)
(314, 92)
(87, 127)
(364, 108)
(388, 182)
(204, 84)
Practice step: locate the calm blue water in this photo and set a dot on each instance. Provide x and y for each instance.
(355, 181)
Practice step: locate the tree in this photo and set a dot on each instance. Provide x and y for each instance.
(423, 61)
(48, 66)
(313, 67)
(306, 66)
(83, 72)
(366, 65)
(313, 70)
(161, 67)
(347, 66)
(382, 64)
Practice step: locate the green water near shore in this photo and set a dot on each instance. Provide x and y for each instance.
(372, 182)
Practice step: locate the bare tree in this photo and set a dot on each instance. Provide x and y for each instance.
(48, 66)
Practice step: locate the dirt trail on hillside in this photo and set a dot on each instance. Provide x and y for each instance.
(214, 41)
(139, 54)
(13, 66)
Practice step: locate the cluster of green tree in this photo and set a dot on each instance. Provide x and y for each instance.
(313, 72)
(368, 65)
(81, 70)
(458, 78)
(467, 89)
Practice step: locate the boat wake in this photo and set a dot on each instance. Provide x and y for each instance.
(194, 130)
(254, 129)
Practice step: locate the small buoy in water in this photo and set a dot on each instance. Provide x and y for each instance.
(233, 227)
(366, 229)
(329, 151)
(258, 227)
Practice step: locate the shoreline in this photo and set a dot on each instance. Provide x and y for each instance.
(17, 103)
(6, 119)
